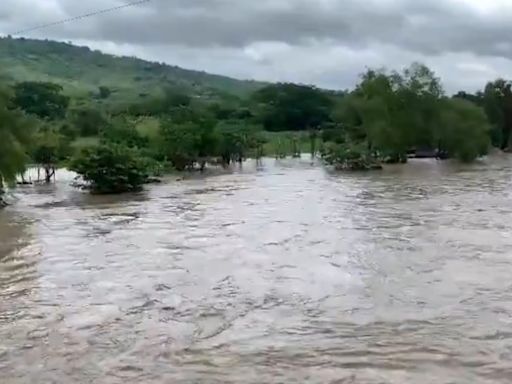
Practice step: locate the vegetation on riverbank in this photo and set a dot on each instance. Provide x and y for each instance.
(390, 114)
(115, 143)
(111, 168)
(16, 132)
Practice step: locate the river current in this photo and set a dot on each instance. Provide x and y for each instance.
(274, 273)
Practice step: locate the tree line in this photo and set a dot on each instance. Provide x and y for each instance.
(387, 117)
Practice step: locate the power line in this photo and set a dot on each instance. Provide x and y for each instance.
(75, 18)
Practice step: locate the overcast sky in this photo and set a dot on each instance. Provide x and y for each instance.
(322, 42)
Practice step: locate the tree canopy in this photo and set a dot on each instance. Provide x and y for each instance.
(464, 129)
(395, 113)
(292, 107)
(111, 168)
(45, 100)
(16, 133)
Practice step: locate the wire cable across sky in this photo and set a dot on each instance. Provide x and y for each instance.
(80, 17)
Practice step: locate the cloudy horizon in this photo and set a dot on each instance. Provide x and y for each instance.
(327, 43)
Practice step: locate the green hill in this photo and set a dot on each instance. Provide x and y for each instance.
(81, 71)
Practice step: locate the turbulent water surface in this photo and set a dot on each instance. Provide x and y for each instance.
(272, 274)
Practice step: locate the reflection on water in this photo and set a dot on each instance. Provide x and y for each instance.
(278, 274)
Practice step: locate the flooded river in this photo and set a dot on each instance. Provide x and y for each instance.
(273, 274)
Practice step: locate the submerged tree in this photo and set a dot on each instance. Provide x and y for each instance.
(16, 135)
(398, 111)
(497, 102)
(464, 130)
(394, 113)
(237, 139)
(180, 144)
(350, 156)
(110, 169)
(48, 149)
(376, 113)
(186, 144)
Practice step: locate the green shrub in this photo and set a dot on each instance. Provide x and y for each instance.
(352, 157)
(110, 169)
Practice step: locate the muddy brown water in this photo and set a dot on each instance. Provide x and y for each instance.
(273, 274)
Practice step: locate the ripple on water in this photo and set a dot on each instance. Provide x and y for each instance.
(280, 272)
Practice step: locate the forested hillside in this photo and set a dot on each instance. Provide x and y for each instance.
(81, 71)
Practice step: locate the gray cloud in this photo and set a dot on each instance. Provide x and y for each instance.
(322, 41)
(432, 26)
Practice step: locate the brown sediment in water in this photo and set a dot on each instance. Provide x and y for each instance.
(281, 273)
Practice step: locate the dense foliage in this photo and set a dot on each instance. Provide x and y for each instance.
(117, 120)
(193, 143)
(394, 114)
(292, 107)
(45, 100)
(86, 122)
(464, 130)
(496, 100)
(16, 136)
(351, 156)
(110, 169)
